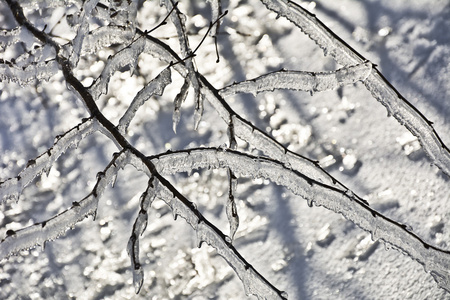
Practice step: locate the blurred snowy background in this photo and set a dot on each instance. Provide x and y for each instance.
(311, 253)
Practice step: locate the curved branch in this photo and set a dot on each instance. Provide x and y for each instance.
(11, 188)
(434, 260)
(40, 233)
(380, 88)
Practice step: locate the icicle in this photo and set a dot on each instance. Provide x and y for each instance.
(176, 117)
(197, 118)
(179, 20)
(94, 215)
(231, 135)
(139, 226)
(179, 99)
(232, 215)
(154, 87)
(77, 44)
(199, 98)
(138, 279)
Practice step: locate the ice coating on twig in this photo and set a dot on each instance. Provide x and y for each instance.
(123, 13)
(154, 87)
(161, 51)
(126, 57)
(397, 106)
(51, 229)
(139, 226)
(9, 37)
(29, 74)
(435, 261)
(13, 187)
(38, 4)
(216, 11)
(35, 55)
(105, 36)
(300, 81)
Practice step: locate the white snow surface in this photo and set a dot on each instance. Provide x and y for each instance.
(308, 252)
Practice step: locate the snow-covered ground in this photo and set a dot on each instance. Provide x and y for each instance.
(309, 252)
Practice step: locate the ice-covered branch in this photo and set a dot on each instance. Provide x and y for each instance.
(125, 57)
(300, 81)
(179, 19)
(434, 260)
(51, 229)
(380, 88)
(13, 187)
(241, 127)
(82, 31)
(29, 74)
(40, 4)
(9, 37)
(231, 209)
(154, 87)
